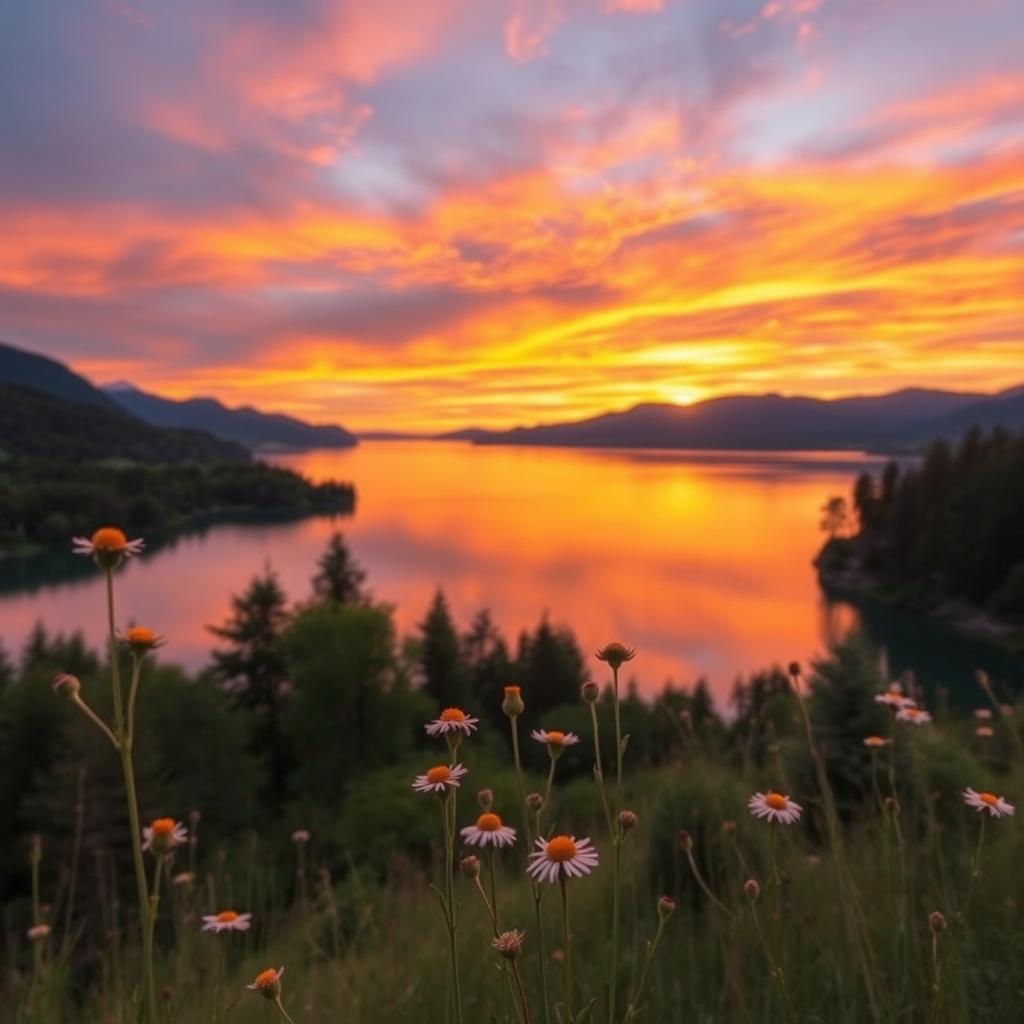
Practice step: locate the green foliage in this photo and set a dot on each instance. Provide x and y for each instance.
(440, 659)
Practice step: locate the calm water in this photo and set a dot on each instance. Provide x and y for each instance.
(700, 560)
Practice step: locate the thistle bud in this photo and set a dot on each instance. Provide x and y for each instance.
(627, 821)
(485, 798)
(513, 705)
(66, 685)
(470, 866)
(937, 921)
(509, 944)
(141, 640)
(685, 841)
(751, 889)
(666, 907)
(535, 801)
(615, 654)
(590, 691)
(794, 668)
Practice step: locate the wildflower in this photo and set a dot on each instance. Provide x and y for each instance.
(141, 640)
(38, 932)
(451, 720)
(268, 983)
(470, 866)
(183, 878)
(874, 742)
(107, 546)
(937, 921)
(300, 836)
(227, 921)
(728, 826)
(556, 741)
(488, 831)
(775, 807)
(685, 840)
(66, 685)
(513, 705)
(666, 907)
(1006, 710)
(535, 801)
(794, 668)
(562, 856)
(439, 779)
(485, 798)
(615, 654)
(984, 731)
(509, 944)
(983, 714)
(916, 716)
(627, 820)
(163, 834)
(751, 889)
(995, 805)
(590, 692)
(893, 697)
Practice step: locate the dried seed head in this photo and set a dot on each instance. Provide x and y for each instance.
(627, 821)
(615, 654)
(509, 944)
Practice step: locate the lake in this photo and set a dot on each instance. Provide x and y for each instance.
(700, 560)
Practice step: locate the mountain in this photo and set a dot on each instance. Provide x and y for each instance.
(46, 426)
(245, 425)
(899, 420)
(29, 370)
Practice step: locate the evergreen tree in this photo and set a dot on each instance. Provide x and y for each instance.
(339, 577)
(550, 668)
(440, 657)
(489, 666)
(253, 668)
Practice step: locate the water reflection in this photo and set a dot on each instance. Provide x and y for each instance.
(700, 560)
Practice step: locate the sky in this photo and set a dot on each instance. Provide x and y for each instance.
(407, 215)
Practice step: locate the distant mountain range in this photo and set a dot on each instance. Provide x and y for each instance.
(245, 425)
(199, 428)
(899, 421)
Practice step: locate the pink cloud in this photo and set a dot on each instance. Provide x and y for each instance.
(528, 29)
(633, 6)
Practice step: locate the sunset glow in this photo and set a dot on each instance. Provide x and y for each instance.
(420, 216)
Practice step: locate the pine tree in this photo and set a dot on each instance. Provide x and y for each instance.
(440, 658)
(339, 577)
(253, 668)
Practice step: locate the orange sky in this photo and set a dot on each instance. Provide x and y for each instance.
(416, 216)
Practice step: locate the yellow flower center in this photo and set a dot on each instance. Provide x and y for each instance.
(488, 822)
(453, 715)
(988, 798)
(776, 801)
(109, 538)
(555, 737)
(141, 635)
(162, 826)
(560, 849)
(874, 741)
(266, 978)
(227, 916)
(439, 773)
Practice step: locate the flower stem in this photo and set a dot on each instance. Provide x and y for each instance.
(568, 947)
(616, 837)
(281, 1010)
(95, 719)
(447, 816)
(123, 744)
(652, 947)
(975, 868)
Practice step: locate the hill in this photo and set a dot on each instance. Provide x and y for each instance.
(895, 421)
(244, 425)
(43, 426)
(29, 370)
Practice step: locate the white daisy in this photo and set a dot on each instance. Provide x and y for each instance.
(556, 741)
(107, 540)
(995, 805)
(163, 834)
(226, 921)
(451, 720)
(916, 716)
(894, 698)
(38, 932)
(439, 779)
(984, 714)
(562, 856)
(874, 742)
(488, 831)
(775, 807)
(300, 836)
(984, 731)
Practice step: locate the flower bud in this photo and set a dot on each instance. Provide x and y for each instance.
(892, 805)
(751, 889)
(470, 866)
(300, 836)
(685, 841)
(590, 691)
(268, 983)
(38, 932)
(141, 640)
(485, 798)
(535, 801)
(937, 921)
(981, 678)
(794, 668)
(627, 821)
(509, 944)
(728, 826)
(513, 705)
(615, 654)
(666, 907)
(66, 685)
